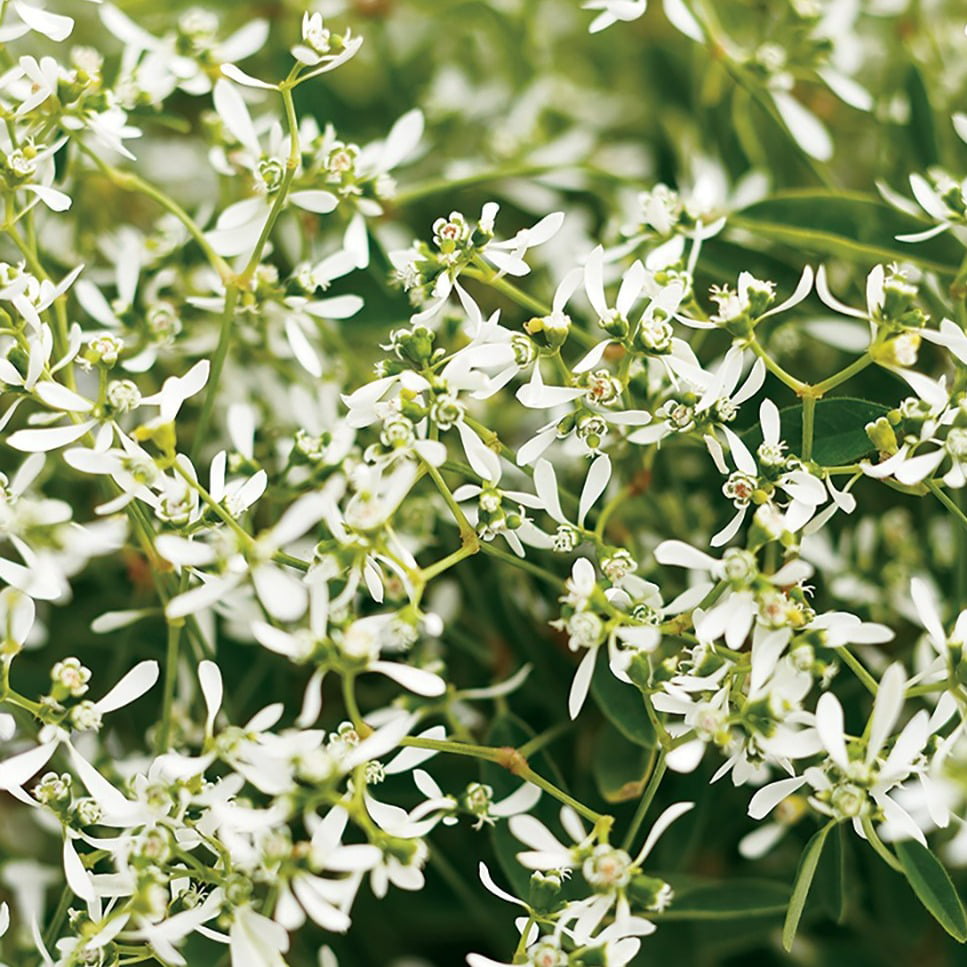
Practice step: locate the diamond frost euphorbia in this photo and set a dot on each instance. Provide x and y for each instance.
(855, 782)
(262, 444)
(616, 881)
(757, 481)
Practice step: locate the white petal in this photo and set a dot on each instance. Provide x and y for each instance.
(806, 129)
(130, 688)
(521, 801)
(581, 683)
(51, 25)
(680, 554)
(416, 680)
(49, 437)
(320, 202)
(212, 689)
(662, 823)
(18, 769)
(594, 485)
(488, 882)
(484, 461)
(78, 878)
(545, 483)
(829, 723)
(231, 108)
(768, 797)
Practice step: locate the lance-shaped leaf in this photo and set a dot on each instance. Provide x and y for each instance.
(932, 885)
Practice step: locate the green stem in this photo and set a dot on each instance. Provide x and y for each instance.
(857, 667)
(444, 564)
(609, 508)
(878, 846)
(654, 781)
(467, 532)
(291, 164)
(171, 673)
(797, 386)
(545, 738)
(234, 285)
(808, 426)
(489, 753)
(857, 366)
(60, 914)
(512, 760)
(951, 505)
(522, 563)
(218, 363)
(128, 181)
(560, 795)
(352, 708)
(443, 186)
(930, 689)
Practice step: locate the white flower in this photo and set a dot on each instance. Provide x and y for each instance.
(613, 11)
(856, 779)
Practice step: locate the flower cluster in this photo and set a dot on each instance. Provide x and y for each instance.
(351, 543)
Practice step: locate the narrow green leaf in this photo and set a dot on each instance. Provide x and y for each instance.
(850, 225)
(923, 131)
(932, 884)
(804, 878)
(622, 705)
(839, 430)
(831, 876)
(619, 765)
(731, 900)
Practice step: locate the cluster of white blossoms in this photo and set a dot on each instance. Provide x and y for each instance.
(276, 511)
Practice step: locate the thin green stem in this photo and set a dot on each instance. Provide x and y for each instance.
(60, 915)
(878, 846)
(128, 181)
(352, 708)
(658, 767)
(545, 738)
(278, 203)
(930, 689)
(858, 669)
(513, 761)
(808, 426)
(857, 366)
(217, 364)
(171, 673)
(444, 564)
(443, 186)
(521, 562)
(234, 285)
(560, 795)
(487, 752)
(796, 385)
(467, 532)
(950, 504)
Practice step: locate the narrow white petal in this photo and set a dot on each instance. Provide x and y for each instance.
(131, 687)
(829, 723)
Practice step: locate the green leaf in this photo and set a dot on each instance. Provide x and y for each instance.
(831, 877)
(730, 900)
(932, 884)
(804, 878)
(923, 131)
(620, 766)
(839, 430)
(623, 705)
(849, 225)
